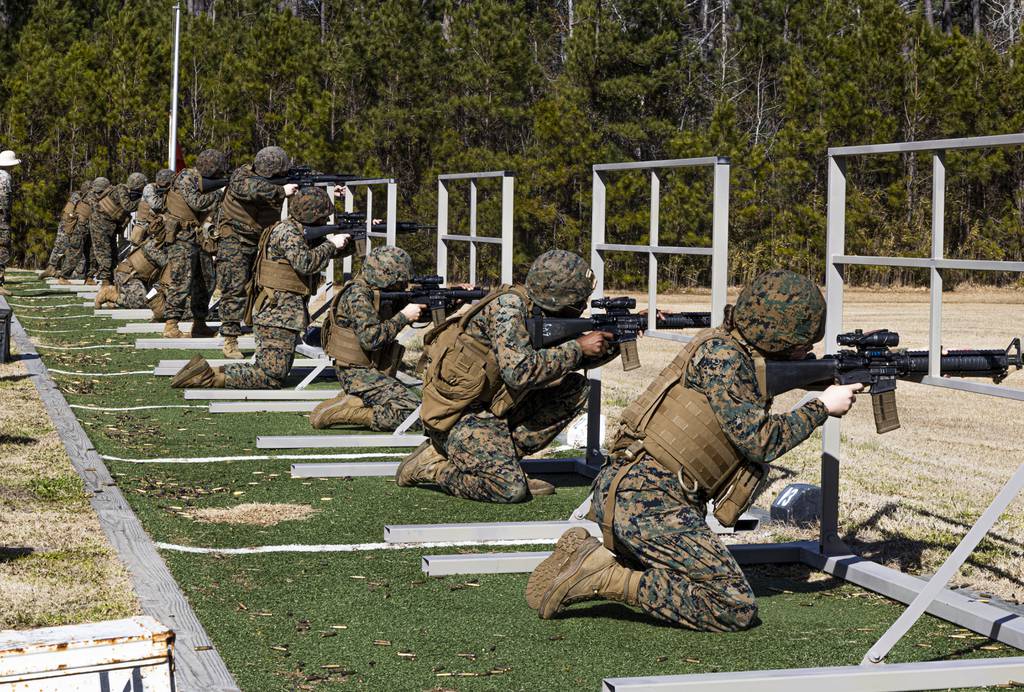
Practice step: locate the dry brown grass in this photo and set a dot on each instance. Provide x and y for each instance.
(907, 497)
(253, 514)
(56, 566)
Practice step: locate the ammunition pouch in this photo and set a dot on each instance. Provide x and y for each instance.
(111, 209)
(460, 372)
(180, 220)
(137, 265)
(83, 210)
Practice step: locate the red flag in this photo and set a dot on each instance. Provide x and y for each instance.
(179, 158)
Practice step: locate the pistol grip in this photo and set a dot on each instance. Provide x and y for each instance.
(884, 407)
(630, 355)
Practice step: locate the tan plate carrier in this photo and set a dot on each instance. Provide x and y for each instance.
(342, 343)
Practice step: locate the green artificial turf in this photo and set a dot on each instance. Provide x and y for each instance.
(371, 620)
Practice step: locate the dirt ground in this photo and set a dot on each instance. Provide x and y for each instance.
(908, 496)
(56, 566)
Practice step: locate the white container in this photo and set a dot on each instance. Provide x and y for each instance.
(116, 656)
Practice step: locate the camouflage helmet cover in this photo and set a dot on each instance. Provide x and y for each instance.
(780, 310)
(271, 161)
(100, 184)
(211, 163)
(86, 186)
(310, 205)
(136, 181)
(387, 266)
(164, 178)
(559, 279)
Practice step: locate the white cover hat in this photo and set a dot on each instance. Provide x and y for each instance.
(7, 158)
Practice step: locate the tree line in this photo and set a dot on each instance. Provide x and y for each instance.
(546, 88)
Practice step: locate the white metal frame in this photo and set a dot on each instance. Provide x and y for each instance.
(390, 214)
(830, 554)
(401, 436)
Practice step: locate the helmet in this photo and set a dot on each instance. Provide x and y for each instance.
(211, 162)
(560, 279)
(136, 181)
(164, 178)
(100, 184)
(271, 161)
(310, 205)
(387, 266)
(86, 187)
(780, 310)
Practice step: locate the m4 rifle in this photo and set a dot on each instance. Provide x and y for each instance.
(623, 325)
(872, 361)
(427, 290)
(303, 176)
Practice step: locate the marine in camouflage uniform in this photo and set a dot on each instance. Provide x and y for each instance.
(478, 458)
(112, 211)
(280, 315)
(6, 200)
(147, 234)
(251, 205)
(68, 218)
(78, 258)
(666, 559)
(371, 396)
(188, 276)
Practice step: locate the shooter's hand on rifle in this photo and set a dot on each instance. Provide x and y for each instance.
(594, 344)
(340, 190)
(289, 189)
(339, 240)
(838, 398)
(414, 311)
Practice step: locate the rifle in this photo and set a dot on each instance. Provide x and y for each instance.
(357, 229)
(617, 319)
(873, 362)
(427, 290)
(303, 176)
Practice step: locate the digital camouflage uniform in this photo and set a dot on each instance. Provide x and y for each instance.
(131, 291)
(485, 450)
(190, 273)
(279, 322)
(104, 229)
(390, 400)
(686, 574)
(78, 258)
(237, 240)
(6, 200)
(68, 218)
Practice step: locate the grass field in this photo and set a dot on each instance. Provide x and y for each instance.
(371, 620)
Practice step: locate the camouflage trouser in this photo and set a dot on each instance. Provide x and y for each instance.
(234, 269)
(391, 401)
(689, 577)
(131, 292)
(275, 351)
(76, 258)
(104, 246)
(189, 278)
(5, 248)
(60, 247)
(485, 451)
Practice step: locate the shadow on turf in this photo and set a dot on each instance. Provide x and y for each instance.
(11, 553)
(17, 440)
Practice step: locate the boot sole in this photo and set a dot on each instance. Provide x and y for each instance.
(192, 368)
(551, 602)
(545, 572)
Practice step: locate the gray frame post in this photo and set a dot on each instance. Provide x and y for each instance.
(390, 219)
(507, 221)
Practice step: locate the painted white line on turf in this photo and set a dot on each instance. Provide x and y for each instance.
(129, 408)
(70, 331)
(83, 348)
(343, 547)
(45, 307)
(100, 374)
(254, 457)
(63, 317)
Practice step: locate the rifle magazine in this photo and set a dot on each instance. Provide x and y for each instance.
(887, 417)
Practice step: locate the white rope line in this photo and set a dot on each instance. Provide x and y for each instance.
(44, 307)
(100, 374)
(346, 547)
(83, 348)
(254, 457)
(132, 408)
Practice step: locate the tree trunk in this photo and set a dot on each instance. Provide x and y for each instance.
(947, 16)
(323, 21)
(929, 13)
(976, 16)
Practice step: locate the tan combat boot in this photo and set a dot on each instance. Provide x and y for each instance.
(106, 294)
(421, 466)
(201, 331)
(198, 373)
(46, 273)
(4, 292)
(89, 281)
(63, 282)
(171, 330)
(341, 410)
(230, 349)
(539, 488)
(590, 572)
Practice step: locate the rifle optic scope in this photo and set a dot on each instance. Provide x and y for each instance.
(621, 303)
(424, 280)
(881, 338)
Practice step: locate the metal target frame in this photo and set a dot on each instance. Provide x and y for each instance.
(829, 554)
(401, 437)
